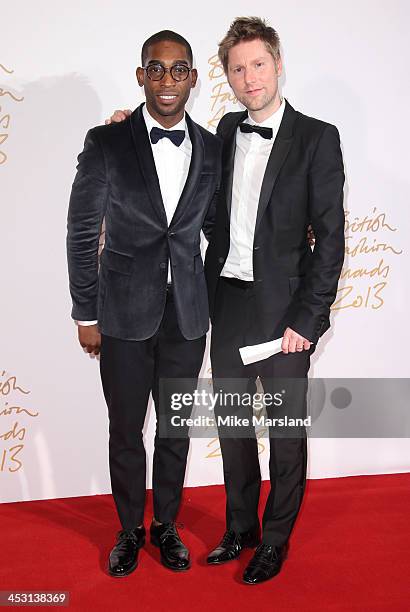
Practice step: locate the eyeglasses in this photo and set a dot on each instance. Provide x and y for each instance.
(156, 72)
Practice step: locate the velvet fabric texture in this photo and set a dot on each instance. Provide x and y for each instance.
(116, 180)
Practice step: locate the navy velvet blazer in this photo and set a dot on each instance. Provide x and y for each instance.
(116, 180)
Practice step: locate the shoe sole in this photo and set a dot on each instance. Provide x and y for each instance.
(165, 564)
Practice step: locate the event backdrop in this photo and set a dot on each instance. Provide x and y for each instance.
(64, 67)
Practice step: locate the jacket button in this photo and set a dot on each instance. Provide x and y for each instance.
(162, 265)
(171, 233)
(256, 248)
(221, 260)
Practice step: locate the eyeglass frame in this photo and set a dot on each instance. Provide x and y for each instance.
(167, 70)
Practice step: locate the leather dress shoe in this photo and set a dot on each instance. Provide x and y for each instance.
(265, 564)
(174, 554)
(123, 558)
(232, 544)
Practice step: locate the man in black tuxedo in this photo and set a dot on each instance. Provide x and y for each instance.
(154, 179)
(281, 172)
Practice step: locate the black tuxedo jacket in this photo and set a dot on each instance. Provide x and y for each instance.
(117, 180)
(302, 185)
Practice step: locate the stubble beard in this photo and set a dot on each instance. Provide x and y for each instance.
(259, 103)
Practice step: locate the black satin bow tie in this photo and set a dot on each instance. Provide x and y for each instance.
(265, 132)
(175, 136)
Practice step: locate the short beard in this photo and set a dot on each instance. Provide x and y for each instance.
(256, 105)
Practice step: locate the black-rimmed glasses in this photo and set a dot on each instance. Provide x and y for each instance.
(156, 72)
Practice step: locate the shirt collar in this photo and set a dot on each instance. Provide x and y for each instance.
(273, 121)
(150, 122)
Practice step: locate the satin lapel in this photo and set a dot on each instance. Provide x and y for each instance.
(146, 160)
(279, 153)
(195, 169)
(228, 160)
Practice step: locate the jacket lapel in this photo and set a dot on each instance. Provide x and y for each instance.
(147, 164)
(277, 157)
(195, 169)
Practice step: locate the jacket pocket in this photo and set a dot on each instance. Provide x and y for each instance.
(118, 262)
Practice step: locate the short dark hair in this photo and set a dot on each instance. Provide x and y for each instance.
(249, 28)
(163, 36)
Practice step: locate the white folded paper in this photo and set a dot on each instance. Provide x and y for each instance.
(256, 352)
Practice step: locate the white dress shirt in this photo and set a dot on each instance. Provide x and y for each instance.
(251, 157)
(172, 166)
(171, 162)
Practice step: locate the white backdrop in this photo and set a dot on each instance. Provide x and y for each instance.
(63, 68)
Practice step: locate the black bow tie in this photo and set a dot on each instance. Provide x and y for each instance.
(175, 136)
(265, 132)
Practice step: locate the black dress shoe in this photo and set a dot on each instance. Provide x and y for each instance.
(174, 554)
(123, 558)
(232, 544)
(265, 564)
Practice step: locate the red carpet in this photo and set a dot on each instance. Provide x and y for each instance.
(350, 550)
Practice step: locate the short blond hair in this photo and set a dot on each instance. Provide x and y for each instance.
(249, 28)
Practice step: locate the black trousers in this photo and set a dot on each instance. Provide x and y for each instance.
(130, 370)
(235, 326)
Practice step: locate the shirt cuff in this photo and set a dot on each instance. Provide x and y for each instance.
(86, 323)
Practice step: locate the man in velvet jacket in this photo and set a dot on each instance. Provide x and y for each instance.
(281, 172)
(154, 179)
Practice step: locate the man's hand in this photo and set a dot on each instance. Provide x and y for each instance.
(294, 343)
(118, 116)
(89, 338)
